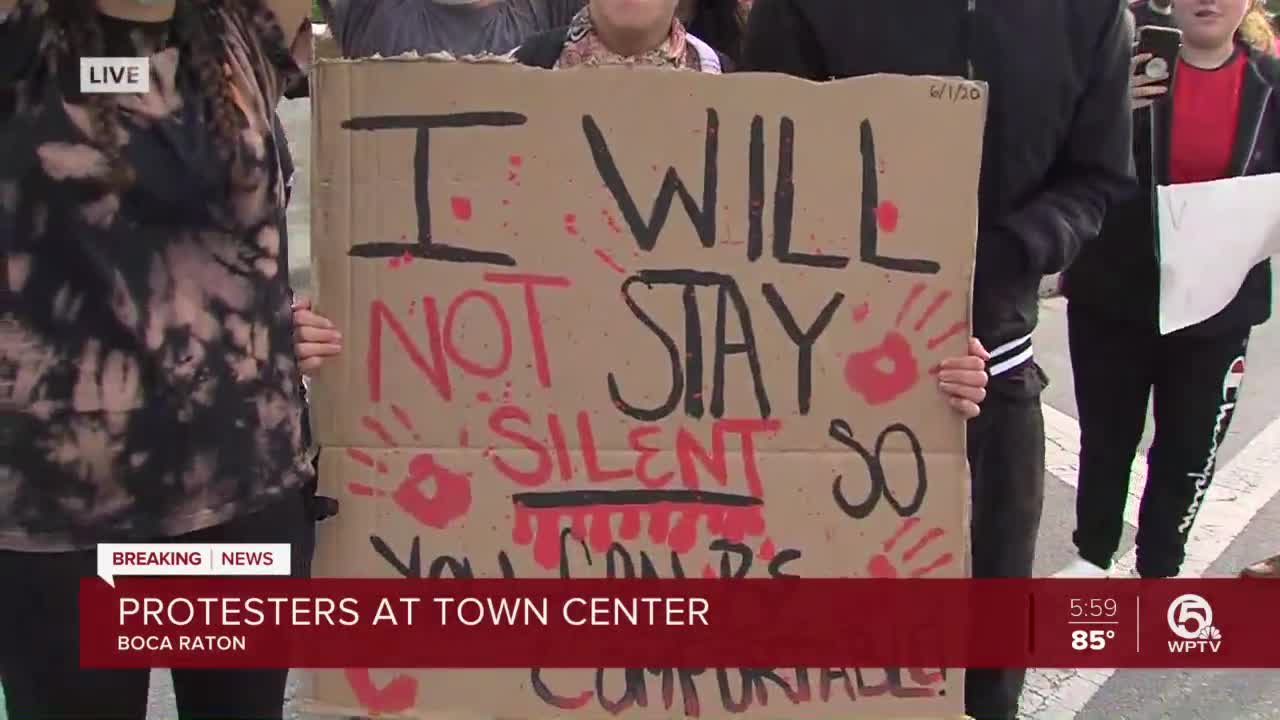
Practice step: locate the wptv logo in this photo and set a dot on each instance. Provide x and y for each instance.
(1191, 619)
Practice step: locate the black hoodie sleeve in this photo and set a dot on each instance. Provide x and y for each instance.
(1095, 166)
(779, 38)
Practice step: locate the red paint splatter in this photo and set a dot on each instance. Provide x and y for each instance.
(611, 221)
(608, 260)
(767, 550)
(403, 418)
(406, 258)
(463, 438)
(912, 296)
(890, 369)
(882, 566)
(860, 312)
(540, 527)
(515, 161)
(360, 456)
(450, 501)
(709, 572)
(396, 696)
(956, 328)
(461, 207)
(571, 223)
(887, 216)
(884, 372)
(484, 397)
(378, 429)
(393, 263)
(363, 490)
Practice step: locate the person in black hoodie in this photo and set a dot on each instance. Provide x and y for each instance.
(1220, 120)
(1056, 153)
(1152, 13)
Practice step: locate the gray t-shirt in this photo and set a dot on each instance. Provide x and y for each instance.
(391, 27)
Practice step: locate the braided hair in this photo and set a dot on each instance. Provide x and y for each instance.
(197, 26)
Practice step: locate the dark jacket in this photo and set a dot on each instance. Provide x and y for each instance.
(1120, 272)
(1057, 143)
(1144, 15)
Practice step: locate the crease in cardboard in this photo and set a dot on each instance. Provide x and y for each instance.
(535, 190)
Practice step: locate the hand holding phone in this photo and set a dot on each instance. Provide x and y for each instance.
(1154, 63)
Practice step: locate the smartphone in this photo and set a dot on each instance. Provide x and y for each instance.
(1163, 44)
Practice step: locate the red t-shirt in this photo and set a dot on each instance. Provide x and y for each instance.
(1206, 104)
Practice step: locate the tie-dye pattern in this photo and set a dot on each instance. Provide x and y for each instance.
(148, 385)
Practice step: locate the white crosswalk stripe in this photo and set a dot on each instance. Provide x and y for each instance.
(1239, 491)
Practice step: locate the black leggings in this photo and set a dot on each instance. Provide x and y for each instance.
(40, 645)
(1195, 383)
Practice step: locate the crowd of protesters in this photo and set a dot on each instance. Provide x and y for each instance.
(144, 236)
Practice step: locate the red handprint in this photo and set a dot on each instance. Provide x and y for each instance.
(882, 566)
(395, 697)
(451, 499)
(882, 373)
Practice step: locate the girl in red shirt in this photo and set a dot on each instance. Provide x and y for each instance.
(1220, 120)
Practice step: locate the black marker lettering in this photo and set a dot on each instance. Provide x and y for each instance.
(633, 682)
(780, 560)
(879, 488)
(426, 247)
(729, 292)
(411, 569)
(565, 534)
(804, 340)
(784, 194)
(693, 406)
(460, 570)
(755, 190)
(732, 704)
(727, 548)
(870, 235)
(618, 556)
(673, 352)
(546, 695)
(646, 232)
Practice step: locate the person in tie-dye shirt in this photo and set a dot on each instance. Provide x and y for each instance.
(149, 390)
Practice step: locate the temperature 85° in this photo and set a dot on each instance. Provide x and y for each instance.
(1091, 639)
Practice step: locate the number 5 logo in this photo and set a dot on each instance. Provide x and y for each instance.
(1189, 615)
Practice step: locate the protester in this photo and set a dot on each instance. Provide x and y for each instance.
(150, 383)
(1056, 153)
(1221, 121)
(1152, 13)
(612, 32)
(364, 28)
(718, 22)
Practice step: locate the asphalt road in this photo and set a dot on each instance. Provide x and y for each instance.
(1240, 522)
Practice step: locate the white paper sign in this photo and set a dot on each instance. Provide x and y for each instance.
(1211, 236)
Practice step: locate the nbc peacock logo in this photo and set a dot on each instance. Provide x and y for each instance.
(1191, 620)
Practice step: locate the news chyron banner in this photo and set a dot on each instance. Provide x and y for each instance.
(804, 638)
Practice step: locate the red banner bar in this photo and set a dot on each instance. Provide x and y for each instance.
(329, 623)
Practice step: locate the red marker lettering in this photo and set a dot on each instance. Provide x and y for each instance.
(533, 313)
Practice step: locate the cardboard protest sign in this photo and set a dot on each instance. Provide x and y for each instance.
(624, 322)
